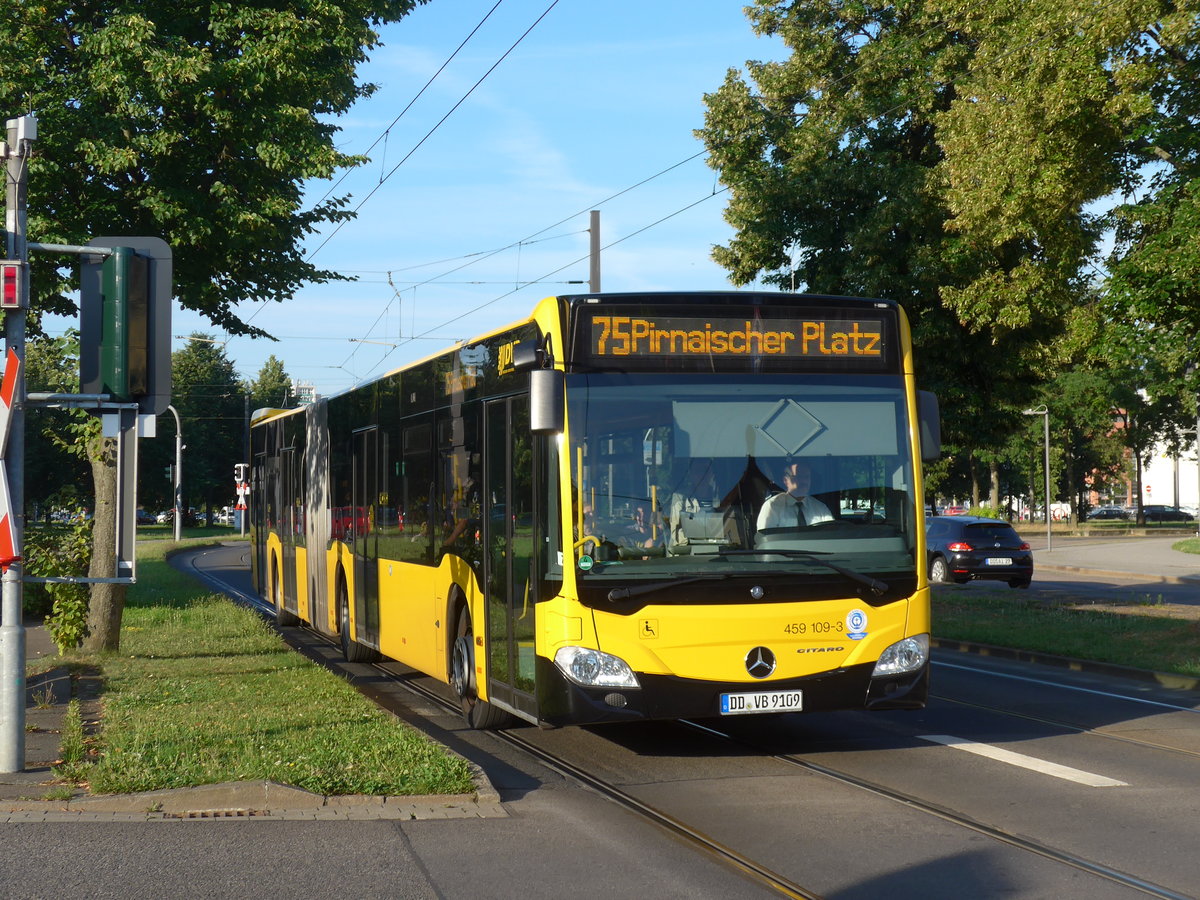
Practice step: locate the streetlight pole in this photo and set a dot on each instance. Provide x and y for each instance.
(178, 474)
(1044, 412)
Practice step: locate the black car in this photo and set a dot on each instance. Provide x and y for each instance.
(1107, 512)
(1159, 513)
(960, 548)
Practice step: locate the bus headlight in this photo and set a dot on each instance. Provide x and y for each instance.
(907, 655)
(592, 668)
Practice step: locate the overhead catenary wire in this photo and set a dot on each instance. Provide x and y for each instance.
(431, 131)
(415, 98)
(469, 259)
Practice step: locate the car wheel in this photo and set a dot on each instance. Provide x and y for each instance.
(939, 573)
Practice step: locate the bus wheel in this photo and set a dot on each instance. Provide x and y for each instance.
(283, 617)
(477, 713)
(352, 650)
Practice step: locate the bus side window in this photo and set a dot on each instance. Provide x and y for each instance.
(414, 493)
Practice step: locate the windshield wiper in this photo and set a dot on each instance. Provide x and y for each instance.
(811, 556)
(625, 593)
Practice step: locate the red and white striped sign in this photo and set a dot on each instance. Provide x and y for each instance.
(8, 389)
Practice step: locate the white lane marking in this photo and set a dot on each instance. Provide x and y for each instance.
(1066, 687)
(1025, 762)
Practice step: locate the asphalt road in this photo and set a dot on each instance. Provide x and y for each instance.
(1016, 781)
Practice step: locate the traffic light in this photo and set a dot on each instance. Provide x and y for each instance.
(125, 322)
(11, 287)
(124, 325)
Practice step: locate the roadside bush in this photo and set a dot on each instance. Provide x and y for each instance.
(59, 550)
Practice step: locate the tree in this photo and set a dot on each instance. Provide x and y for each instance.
(272, 387)
(1155, 263)
(55, 463)
(835, 167)
(952, 156)
(1152, 369)
(210, 401)
(198, 124)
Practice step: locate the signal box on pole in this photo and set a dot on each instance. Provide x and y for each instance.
(125, 322)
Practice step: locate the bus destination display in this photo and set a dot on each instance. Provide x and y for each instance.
(676, 337)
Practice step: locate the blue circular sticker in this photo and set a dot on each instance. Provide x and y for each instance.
(856, 624)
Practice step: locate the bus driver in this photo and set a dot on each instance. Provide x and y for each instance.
(793, 507)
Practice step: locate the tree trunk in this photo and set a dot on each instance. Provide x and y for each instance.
(107, 602)
(973, 467)
(994, 492)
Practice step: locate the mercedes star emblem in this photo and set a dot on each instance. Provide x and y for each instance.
(760, 662)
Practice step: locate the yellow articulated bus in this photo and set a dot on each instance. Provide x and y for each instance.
(625, 507)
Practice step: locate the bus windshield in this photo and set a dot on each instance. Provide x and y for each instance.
(692, 476)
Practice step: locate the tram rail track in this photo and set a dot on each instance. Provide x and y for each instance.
(750, 868)
(1030, 845)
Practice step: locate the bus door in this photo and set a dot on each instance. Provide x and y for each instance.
(289, 481)
(508, 560)
(360, 528)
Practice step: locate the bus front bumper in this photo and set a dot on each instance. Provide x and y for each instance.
(563, 702)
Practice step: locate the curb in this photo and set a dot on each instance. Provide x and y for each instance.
(257, 800)
(1088, 570)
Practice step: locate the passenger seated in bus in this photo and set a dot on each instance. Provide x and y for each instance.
(698, 494)
(639, 533)
(794, 507)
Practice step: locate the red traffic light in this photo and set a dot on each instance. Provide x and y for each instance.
(10, 284)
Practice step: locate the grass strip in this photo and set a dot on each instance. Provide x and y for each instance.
(203, 691)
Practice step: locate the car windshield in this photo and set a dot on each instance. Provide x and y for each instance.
(671, 474)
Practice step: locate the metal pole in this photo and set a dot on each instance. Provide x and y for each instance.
(1046, 422)
(242, 513)
(178, 473)
(20, 135)
(594, 235)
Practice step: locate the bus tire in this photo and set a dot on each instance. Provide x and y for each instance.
(283, 617)
(478, 714)
(352, 650)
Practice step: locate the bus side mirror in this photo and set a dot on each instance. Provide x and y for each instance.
(526, 355)
(930, 425)
(546, 413)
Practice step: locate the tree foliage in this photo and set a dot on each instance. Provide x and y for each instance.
(961, 157)
(56, 466)
(211, 403)
(196, 123)
(272, 387)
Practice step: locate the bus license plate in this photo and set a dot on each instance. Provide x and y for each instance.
(999, 561)
(761, 702)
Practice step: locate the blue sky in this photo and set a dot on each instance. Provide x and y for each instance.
(596, 98)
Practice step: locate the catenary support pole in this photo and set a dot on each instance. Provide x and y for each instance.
(20, 134)
(594, 236)
(178, 514)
